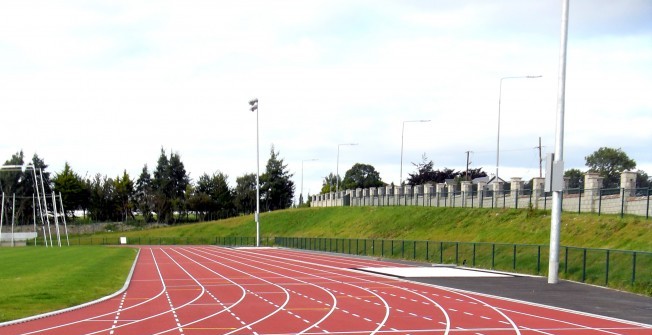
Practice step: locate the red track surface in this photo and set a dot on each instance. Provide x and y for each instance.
(211, 290)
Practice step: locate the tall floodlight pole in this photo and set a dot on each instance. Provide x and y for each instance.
(400, 179)
(337, 168)
(500, 94)
(254, 108)
(555, 220)
(305, 160)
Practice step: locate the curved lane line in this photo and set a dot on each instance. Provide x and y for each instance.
(287, 295)
(333, 305)
(387, 309)
(443, 311)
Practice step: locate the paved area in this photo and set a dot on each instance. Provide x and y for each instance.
(565, 294)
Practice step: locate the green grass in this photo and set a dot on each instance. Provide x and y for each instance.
(420, 223)
(38, 280)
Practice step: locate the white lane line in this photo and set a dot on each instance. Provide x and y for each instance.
(361, 279)
(312, 275)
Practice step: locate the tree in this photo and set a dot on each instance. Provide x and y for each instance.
(426, 174)
(329, 183)
(576, 178)
(643, 180)
(212, 196)
(104, 205)
(245, 193)
(144, 195)
(609, 163)
(124, 193)
(169, 185)
(276, 183)
(73, 190)
(361, 176)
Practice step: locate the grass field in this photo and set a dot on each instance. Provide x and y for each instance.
(38, 280)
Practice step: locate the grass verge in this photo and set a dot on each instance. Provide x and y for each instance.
(39, 280)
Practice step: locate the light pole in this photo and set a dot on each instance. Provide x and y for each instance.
(555, 215)
(500, 93)
(337, 169)
(305, 160)
(400, 179)
(253, 103)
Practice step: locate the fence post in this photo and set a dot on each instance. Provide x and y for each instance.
(606, 275)
(427, 251)
(514, 258)
(441, 252)
(493, 255)
(622, 202)
(457, 252)
(633, 267)
(538, 259)
(599, 201)
(584, 266)
(473, 262)
(647, 207)
(579, 203)
(414, 250)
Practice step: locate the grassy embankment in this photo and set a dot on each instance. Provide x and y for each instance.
(418, 223)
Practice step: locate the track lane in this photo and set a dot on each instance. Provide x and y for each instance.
(211, 290)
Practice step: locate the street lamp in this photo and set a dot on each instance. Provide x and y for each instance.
(400, 179)
(500, 92)
(305, 160)
(253, 103)
(337, 169)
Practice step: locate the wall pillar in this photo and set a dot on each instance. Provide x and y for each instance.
(592, 186)
(538, 186)
(516, 191)
(441, 189)
(628, 182)
(467, 193)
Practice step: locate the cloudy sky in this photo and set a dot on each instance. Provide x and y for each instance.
(104, 85)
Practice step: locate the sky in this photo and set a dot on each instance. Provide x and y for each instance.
(105, 85)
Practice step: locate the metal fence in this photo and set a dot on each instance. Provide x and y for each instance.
(624, 269)
(601, 201)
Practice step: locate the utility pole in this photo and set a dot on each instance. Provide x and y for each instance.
(540, 159)
(467, 165)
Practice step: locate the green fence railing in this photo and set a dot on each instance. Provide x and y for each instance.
(623, 269)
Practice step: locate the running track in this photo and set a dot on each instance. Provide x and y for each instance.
(214, 290)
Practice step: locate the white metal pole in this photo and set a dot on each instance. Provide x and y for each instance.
(555, 220)
(2, 215)
(45, 206)
(337, 171)
(400, 178)
(254, 108)
(13, 220)
(34, 218)
(40, 208)
(65, 226)
(56, 218)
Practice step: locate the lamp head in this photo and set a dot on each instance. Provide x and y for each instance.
(253, 101)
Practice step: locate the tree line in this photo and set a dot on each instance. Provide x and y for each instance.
(165, 194)
(365, 176)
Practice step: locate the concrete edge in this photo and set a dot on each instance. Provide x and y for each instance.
(61, 311)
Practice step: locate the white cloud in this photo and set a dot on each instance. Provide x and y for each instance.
(106, 86)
